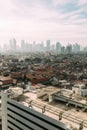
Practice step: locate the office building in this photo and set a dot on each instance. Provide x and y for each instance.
(22, 45)
(76, 48)
(48, 45)
(58, 47)
(16, 116)
(62, 50)
(69, 49)
(13, 45)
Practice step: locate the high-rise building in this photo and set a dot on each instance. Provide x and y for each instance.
(38, 47)
(52, 47)
(13, 44)
(76, 48)
(34, 46)
(16, 116)
(85, 49)
(30, 47)
(62, 49)
(69, 49)
(42, 46)
(22, 45)
(48, 45)
(10, 44)
(27, 47)
(58, 47)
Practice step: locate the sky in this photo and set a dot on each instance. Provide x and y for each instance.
(39, 20)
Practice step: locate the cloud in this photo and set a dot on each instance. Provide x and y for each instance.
(82, 2)
(59, 2)
(40, 20)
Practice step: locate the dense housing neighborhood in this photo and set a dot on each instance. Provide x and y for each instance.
(58, 80)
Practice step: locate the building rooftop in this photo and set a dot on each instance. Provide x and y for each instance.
(2, 78)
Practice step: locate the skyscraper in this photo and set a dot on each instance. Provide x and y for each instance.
(58, 47)
(48, 45)
(69, 49)
(22, 45)
(42, 46)
(13, 44)
(62, 49)
(76, 48)
(34, 46)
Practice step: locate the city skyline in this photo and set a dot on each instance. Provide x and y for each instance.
(26, 46)
(57, 20)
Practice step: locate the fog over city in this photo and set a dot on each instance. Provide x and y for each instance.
(39, 20)
(43, 64)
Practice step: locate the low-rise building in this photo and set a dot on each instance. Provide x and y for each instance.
(80, 88)
(5, 82)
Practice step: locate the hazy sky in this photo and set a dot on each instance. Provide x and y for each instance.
(58, 20)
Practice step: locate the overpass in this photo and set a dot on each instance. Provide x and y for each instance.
(68, 101)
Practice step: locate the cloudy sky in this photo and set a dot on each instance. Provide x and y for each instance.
(37, 20)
